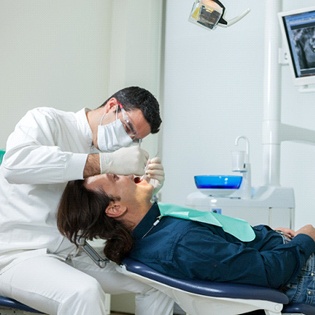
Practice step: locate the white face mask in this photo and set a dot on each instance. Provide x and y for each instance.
(112, 136)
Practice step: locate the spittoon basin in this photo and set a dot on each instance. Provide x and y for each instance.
(218, 185)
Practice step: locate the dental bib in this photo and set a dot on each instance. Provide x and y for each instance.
(236, 227)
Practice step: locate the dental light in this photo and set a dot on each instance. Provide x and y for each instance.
(210, 13)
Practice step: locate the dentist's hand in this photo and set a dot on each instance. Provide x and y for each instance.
(155, 171)
(125, 161)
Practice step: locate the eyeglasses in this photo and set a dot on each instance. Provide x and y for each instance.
(129, 128)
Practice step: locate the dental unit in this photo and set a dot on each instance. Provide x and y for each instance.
(272, 205)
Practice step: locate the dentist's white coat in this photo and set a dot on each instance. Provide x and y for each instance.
(48, 148)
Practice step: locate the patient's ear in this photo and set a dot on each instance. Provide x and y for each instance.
(115, 209)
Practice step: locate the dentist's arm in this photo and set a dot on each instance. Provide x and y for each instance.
(92, 165)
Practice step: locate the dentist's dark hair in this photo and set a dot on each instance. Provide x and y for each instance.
(138, 98)
(81, 213)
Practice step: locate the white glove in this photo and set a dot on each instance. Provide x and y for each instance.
(155, 172)
(125, 161)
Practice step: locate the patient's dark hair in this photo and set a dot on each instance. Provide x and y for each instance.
(134, 97)
(81, 212)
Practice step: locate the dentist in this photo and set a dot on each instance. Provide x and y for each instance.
(38, 266)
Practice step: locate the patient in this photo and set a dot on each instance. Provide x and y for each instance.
(119, 209)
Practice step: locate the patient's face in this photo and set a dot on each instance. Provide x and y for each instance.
(127, 188)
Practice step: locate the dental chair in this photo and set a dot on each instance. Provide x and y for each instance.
(197, 297)
(10, 306)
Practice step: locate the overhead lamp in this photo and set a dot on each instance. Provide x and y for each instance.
(210, 13)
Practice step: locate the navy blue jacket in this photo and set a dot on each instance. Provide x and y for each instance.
(192, 250)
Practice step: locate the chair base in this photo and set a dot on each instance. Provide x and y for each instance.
(11, 306)
(293, 308)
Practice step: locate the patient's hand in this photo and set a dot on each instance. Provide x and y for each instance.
(287, 232)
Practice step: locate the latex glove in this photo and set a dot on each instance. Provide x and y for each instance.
(155, 171)
(125, 161)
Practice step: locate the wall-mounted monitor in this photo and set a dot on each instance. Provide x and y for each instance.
(298, 30)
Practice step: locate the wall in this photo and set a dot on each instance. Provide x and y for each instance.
(71, 54)
(53, 53)
(135, 52)
(213, 92)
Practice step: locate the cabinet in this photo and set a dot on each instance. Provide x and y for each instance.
(273, 206)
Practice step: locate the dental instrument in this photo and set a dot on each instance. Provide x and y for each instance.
(91, 252)
(144, 176)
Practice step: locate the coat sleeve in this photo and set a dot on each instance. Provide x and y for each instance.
(39, 151)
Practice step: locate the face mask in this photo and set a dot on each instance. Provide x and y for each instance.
(112, 136)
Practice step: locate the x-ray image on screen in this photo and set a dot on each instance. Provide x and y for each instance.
(305, 47)
(298, 29)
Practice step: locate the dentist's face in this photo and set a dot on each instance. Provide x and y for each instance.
(133, 121)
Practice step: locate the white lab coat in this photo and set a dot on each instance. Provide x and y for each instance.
(48, 148)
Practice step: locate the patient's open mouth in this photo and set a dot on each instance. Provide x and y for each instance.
(137, 180)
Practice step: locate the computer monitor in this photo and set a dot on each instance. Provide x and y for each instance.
(298, 30)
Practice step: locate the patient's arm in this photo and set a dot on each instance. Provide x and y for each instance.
(307, 229)
(286, 231)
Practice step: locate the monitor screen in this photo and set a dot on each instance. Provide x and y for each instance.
(298, 29)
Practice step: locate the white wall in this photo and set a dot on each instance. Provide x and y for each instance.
(135, 52)
(71, 54)
(53, 53)
(213, 92)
